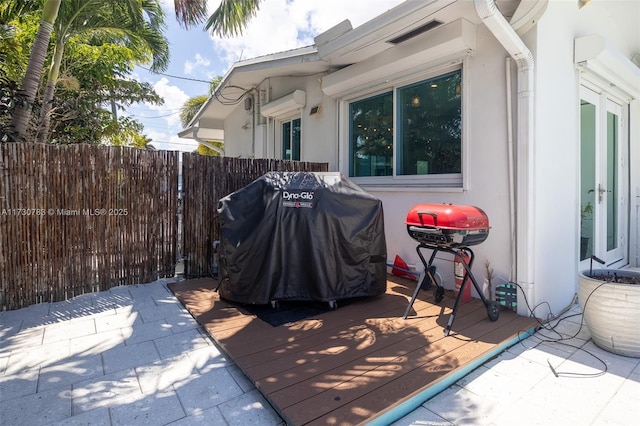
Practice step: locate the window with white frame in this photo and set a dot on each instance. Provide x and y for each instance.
(414, 130)
(371, 136)
(291, 139)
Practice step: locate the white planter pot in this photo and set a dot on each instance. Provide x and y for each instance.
(611, 311)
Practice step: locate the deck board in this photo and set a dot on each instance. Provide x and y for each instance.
(349, 365)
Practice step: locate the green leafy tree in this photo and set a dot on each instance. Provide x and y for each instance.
(18, 27)
(31, 80)
(135, 24)
(94, 73)
(19, 24)
(78, 117)
(146, 14)
(191, 108)
(209, 151)
(193, 105)
(126, 132)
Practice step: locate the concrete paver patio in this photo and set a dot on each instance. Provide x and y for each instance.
(130, 355)
(133, 355)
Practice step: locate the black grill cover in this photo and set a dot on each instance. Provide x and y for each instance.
(301, 236)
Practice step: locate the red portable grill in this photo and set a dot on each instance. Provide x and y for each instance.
(451, 229)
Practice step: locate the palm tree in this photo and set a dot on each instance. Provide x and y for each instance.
(31, 79)
(193, 105)
(229, 19)
(190, 12)
(134, 23)
(191, 108)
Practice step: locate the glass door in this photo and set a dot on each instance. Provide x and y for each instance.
(291, 140)
(602, 187)
(588, 131)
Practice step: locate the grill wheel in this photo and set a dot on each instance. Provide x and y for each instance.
(493, 311)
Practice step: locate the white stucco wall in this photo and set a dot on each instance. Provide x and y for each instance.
(238, 133)
(487, 170)
(634, 240)
(318, 130)
(556, 153)
(557, 158)
(319, 133)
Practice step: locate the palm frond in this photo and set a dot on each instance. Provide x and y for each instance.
(191, 108)
(232, 16)
(190, 12)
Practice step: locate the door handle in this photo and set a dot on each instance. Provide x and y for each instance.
(601, 191)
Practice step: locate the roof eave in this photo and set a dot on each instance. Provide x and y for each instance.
(260, 67)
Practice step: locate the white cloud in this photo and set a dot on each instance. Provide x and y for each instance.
(200, 62)
(170, 141)
(174, 99)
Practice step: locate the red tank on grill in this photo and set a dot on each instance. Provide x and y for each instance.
(447, 225)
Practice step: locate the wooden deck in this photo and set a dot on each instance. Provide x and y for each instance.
(347, 366)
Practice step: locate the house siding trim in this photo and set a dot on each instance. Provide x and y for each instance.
(601, 61)
(436, 47)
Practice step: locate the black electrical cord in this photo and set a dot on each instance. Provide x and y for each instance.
(562, 338)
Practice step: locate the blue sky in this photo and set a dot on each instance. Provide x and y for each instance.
(197, 57)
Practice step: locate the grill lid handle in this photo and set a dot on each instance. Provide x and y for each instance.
(433, 215)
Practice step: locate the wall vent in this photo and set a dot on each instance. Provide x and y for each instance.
(416, 31)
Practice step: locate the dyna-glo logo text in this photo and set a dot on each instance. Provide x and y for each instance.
(297, 199)
(295, 196)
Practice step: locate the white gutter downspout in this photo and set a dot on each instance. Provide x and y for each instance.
(511, 172)
(525, 137)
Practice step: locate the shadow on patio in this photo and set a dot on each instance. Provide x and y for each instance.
(359, 361)
(130, 355)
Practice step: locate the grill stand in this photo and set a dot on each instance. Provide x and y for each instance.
(493, 309)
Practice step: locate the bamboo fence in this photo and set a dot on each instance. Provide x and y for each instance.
(205, 181)
(80, 218)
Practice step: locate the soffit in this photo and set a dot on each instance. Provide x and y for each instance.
(600, 60)
(439, 46)
(247, 75)
(350, 46)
